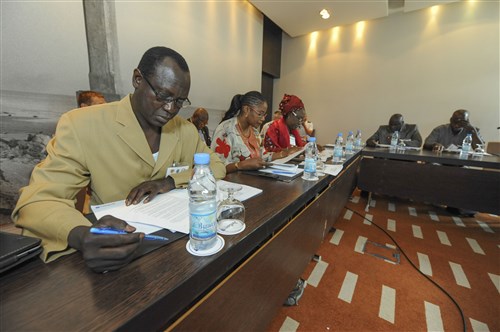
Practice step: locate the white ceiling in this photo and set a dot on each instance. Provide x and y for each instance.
(300, 17)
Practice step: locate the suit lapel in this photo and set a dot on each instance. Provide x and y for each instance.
(131, 133)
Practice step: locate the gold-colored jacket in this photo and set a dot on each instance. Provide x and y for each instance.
(105, 146)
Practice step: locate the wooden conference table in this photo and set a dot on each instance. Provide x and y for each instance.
(440, 178)
(239, 288)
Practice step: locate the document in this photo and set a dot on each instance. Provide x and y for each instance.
(289, 157)
(169, 210)
(399, 147)
(333, 169)
(291, 172)
(458, 149)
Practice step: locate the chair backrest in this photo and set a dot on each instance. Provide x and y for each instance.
(493, 147)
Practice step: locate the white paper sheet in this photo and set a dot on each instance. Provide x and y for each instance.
(170, 210)
(333, 169)
(288, 158)
(399, 147)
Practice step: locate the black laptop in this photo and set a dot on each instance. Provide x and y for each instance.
(16, 248)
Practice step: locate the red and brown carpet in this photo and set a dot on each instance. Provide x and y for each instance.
(357, 286)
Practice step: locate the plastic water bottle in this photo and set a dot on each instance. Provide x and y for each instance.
(349, 143)
(337, 149)
(311, 152)
(202, 191)
(357, 141)
(394, 139)
(467, 144)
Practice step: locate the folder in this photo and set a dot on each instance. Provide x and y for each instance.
(16, 249)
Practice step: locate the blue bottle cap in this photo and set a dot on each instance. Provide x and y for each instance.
(201, 158)
(350, 132)
(311, 139)
(340, 134)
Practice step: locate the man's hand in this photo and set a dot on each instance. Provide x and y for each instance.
(149, 189)
(104, 253)
(437, 147)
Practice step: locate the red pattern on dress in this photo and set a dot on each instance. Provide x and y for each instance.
(222, 147)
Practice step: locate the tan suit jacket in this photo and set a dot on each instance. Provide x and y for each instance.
(103, 145)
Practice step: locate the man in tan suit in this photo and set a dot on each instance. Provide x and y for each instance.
(123, 149)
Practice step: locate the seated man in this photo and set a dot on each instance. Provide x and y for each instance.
(408, 133)
(124, 149)
(200, 121)
(90, 98)
(444, 135)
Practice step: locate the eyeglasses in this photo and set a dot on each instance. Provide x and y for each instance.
(163, 98)
(300, 119)
(261, 115)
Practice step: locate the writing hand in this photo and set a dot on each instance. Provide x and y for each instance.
(149, 189)
(252, 163)
(104, 253)
(438, 147)
(293, 149)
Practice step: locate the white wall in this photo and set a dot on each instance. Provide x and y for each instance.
(221, 41)
(420, 64)
(44, 47)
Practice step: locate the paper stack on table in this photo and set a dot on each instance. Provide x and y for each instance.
(169, 210)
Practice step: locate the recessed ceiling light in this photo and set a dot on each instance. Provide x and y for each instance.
(324, 14)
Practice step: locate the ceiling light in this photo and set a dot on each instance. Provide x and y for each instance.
(324, 14)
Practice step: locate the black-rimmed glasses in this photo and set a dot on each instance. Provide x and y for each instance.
(261, 115)
(163, 98)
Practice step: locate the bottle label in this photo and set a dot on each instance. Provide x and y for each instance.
(310, 165)
(337, 152)
(203, 226)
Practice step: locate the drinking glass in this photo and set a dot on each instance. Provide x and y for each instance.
(230, 212)
(320, 167)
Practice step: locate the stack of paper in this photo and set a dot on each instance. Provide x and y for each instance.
(288, 170)
(169, 210)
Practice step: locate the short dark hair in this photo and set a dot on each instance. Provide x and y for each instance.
(85, 97)
(251, 98)
(155, 55)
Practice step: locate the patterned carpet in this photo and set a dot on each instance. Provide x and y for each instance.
(358, 285)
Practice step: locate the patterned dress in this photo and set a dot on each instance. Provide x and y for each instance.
(232, 146)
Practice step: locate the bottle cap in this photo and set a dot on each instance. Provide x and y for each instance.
(201, 158)
(350, 132)
(311, 139)
(340, 134)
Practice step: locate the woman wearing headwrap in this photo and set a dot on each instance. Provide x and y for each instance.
(236, 139)
(283, 134)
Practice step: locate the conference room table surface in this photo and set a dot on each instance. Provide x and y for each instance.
(447, 158)
(155, 290)
(471, 182)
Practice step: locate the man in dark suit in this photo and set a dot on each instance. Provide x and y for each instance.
(200, 120)
(408, 133)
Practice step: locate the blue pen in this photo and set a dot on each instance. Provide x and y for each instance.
(112, 231)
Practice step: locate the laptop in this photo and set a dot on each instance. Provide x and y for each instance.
(16, 249)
